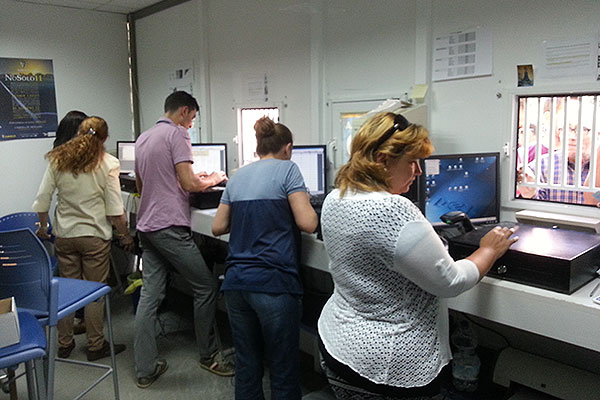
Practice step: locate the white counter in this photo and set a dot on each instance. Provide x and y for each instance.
(573, 319)
(313, 252)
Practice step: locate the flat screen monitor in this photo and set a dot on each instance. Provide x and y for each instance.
(416, 193)
(209, 157)
(126, 156)
(462, 182)
(312, 161)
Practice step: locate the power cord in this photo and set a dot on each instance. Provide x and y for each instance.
(504, 338)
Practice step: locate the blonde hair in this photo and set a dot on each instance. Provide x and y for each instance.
(363, 171)
(84, 152)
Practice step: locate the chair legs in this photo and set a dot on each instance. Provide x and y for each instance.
(52, 350)
(111, 342)
(51, 360)
(36, 380)
(31, 391)
(12, 384)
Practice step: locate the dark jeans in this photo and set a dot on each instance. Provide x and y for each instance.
(265, 326)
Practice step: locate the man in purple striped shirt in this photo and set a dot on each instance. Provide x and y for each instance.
(559, 195)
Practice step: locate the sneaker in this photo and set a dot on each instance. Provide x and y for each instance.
(65, 352)
(104, 351)
(145, 381)
(217, 364)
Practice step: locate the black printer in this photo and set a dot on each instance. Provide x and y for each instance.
(560, 260)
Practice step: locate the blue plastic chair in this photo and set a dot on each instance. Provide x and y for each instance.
(25, 274)
(27, 220)
(31, 351)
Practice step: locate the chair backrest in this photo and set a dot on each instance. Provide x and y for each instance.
(26, 274)
(21, 220)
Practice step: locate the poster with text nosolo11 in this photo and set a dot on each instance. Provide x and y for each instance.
(27, 99)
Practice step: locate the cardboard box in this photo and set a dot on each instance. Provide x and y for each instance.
(9, 323)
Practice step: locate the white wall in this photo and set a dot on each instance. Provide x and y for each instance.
(89, 53)
(252, 38)
(314, 53)
(166, 41)
(466, 115)
(319, 54)
(364, 51)
(369, 48)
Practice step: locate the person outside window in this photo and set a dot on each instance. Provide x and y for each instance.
(559, 195)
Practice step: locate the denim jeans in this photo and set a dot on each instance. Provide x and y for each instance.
(265, 326)
(162, 250)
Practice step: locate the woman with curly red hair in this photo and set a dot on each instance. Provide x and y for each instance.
(86, 180)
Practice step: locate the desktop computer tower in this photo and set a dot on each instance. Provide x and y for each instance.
(560, 260)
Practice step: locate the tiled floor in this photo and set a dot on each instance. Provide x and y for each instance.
(183, 380)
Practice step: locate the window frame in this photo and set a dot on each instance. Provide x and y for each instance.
(238, 139)
(511, 202)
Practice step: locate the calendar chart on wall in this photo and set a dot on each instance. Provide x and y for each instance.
(462, 54)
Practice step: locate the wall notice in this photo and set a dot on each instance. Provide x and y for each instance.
(463, 54)
(27, 99)
(569, 58)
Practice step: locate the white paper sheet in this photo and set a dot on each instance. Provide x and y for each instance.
(462, 54)
(569, 57)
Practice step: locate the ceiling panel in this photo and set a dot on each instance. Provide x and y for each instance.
(115, 6)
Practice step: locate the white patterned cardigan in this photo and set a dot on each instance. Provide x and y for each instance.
(385, 319)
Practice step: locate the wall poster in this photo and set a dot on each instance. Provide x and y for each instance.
(27, 99)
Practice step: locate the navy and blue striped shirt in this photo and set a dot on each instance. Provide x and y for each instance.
(264, 243)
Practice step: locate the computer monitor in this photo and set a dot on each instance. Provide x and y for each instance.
(416, 192)
(462, 182)
(126, 156)
(312, 161)
(209, 157)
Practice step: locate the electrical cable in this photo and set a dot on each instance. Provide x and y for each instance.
(468, 318)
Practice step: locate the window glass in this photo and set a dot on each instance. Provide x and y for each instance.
(556, 148)
(247, 135)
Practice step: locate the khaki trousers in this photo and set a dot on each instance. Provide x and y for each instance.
(86, 258)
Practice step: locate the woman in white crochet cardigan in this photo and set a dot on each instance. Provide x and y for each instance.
(384, 333)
